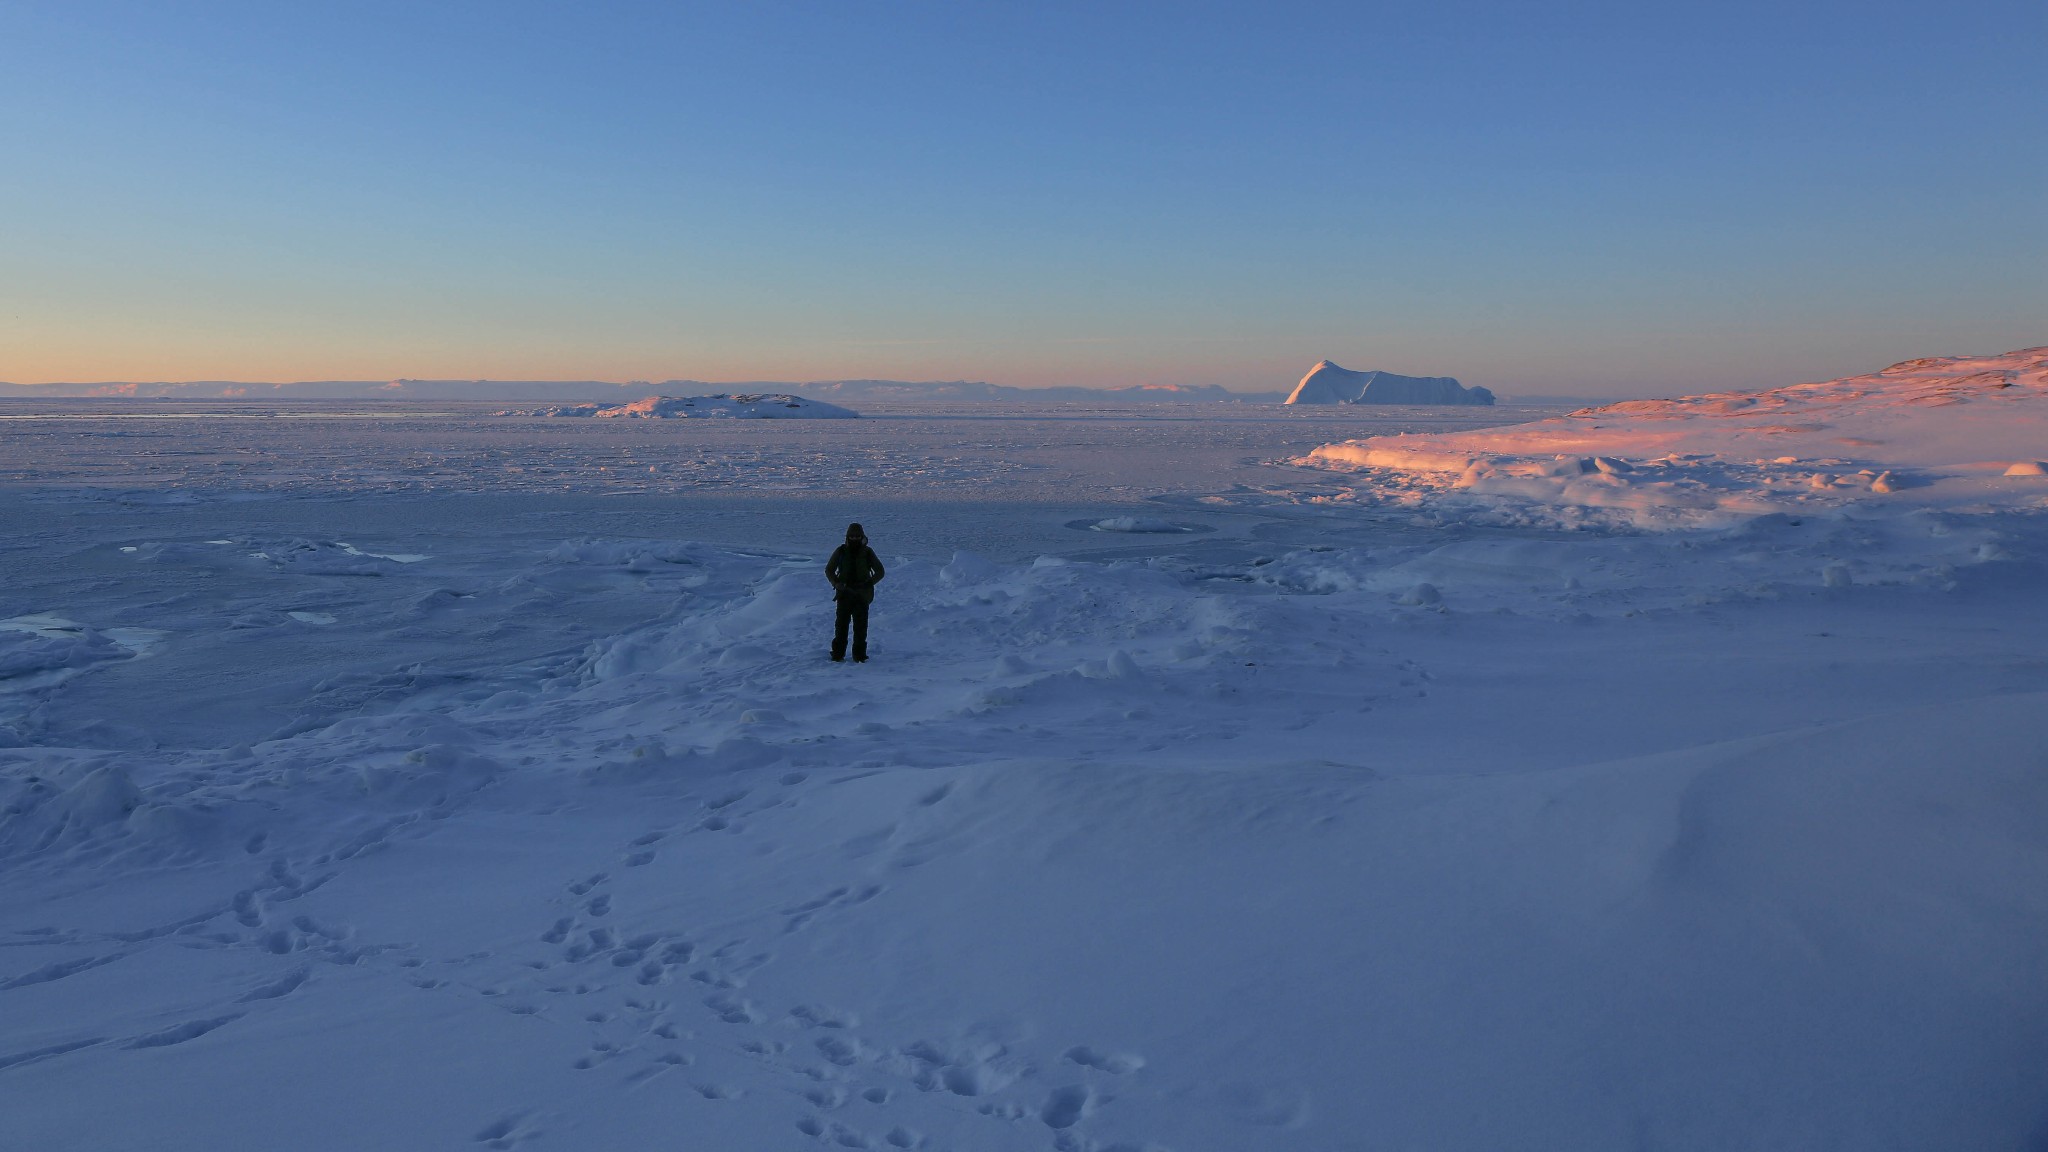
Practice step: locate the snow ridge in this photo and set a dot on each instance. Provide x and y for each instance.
(1955, 432)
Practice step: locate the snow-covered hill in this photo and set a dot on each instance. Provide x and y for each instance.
(1950, 432)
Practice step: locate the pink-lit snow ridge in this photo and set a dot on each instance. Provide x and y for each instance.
(1956, 432)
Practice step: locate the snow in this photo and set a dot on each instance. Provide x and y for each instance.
(1950, 432)
(443, 780)
(743, 407)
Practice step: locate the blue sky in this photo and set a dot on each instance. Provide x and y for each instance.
(1622, 199)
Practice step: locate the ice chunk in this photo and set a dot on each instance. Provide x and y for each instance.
(1137, 524)
(1422, 594)
(966, 568)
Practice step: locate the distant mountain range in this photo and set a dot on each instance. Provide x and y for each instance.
(615, 393)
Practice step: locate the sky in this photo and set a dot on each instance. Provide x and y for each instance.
(1584, 199)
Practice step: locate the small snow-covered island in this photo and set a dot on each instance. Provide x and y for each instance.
(1326, 383)
(774, 406)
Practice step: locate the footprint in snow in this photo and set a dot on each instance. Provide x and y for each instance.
(666, 1062)
(505, 1132)
(190, 1030)
(819, 1016)
(833, 1133)
(844, 896)
(595, 941)
(644, 849)
(276, 989)
(1066, 1106)
(1115, 1063)
(844, 1051)
(732, 1009)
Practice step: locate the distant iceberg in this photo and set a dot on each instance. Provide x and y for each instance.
(1326, 383)
(776, 406)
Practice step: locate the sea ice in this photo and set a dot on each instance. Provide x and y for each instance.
(1382, 810)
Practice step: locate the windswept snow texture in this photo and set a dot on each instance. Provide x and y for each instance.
(420, 779)
(1956, 432)
(1326, 383)
(741, 407)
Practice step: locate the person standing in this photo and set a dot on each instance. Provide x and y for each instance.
(853, 570)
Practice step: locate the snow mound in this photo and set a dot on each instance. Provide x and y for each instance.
(1959, 432)
(34, 652)
(1326, 383)
(775, 406)
(42, 650)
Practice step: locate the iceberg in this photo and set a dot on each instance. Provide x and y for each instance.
(1326, 383)
(777, 406)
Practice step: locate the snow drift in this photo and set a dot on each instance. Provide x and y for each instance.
(1952, 432)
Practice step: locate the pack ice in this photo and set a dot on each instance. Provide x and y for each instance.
(1439, 791)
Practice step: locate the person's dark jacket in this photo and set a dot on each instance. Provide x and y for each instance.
(854, 569)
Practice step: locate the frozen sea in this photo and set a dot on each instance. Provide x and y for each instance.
(409, 776)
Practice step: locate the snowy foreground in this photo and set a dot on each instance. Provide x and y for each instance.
(1207, 803)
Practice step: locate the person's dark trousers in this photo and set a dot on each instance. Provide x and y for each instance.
(856, 611)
